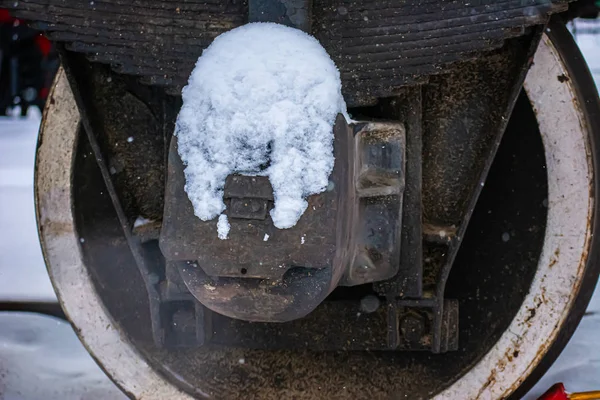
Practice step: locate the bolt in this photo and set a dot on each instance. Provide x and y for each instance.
(411, 327)
(369, 304)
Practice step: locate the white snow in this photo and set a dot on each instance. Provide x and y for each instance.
(14, 112)
(141, 221)
(262, 100)
(588, 40)
(41, 358)
(23, 275)
(266, 237)
(223, 227)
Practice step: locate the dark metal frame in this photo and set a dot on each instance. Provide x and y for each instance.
(415, 297)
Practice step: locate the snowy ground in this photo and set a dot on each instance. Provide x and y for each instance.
(22, 270)
(587, 34)
(41, 357)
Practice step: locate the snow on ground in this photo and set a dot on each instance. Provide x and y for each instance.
(578, 366)
(587, 34)
(22, 270)
(262, 100)
(41, 358)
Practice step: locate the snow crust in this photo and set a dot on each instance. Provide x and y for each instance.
(261, 100)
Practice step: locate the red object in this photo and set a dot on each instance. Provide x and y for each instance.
(43, 44)
(556, 392)
(5, 16)
(43, 93)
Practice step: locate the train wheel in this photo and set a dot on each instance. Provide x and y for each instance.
(504, 348)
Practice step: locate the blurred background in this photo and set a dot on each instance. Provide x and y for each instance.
(40, 356)
(28, 63)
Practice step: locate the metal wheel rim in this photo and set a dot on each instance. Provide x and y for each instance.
(554, 288)
(567, 239)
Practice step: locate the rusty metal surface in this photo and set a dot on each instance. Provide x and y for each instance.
(466, 109)
(187, 323)
(490, 280)
(350, 232)
(248, 196)
(586, 102)
(316, 333)
(408, 107)
(323, 226)
(516, 60)
(266, 374)
(379, 46)
(92, 124)
(462, 117)
(221, 278)
(379, 173)
(57, 146)
(276, 280)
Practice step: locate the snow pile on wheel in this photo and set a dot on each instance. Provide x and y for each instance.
(262, 100)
